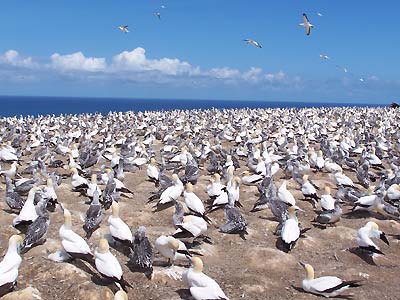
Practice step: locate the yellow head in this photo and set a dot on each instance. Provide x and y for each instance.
(175, 177)
(305, 177)
(103, 246)
(115, 209)
(372, 225)
(291, 210)
(121, 295)
(94, 178)
(15, 241)
(49, 182)
(189, 187)
(327, 190)
(197, 264)
(173, 243)
(309, 270)
(67, 217)
(217, 177)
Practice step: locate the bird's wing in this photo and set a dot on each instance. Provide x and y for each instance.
(325, 283)
(305, 18)
(308, 29)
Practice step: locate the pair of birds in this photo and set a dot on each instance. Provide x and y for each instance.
(306, 24)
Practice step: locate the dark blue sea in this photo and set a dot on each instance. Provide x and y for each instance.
(22, 105)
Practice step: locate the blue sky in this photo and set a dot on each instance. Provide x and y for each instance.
(74, 48)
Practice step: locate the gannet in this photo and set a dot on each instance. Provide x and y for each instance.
(152, 171)
(193, 202)
(201, 286)
(285, 196)
(235, 223)
(12, 198)
(214, 189)
(158, 15)
(290, 230)
(343, 180)
(94, 216)
(306, 24)
(365, 235)
(36, 232)
(119, 229)
(93, 187)
(108, 265)
(50, 194)
(252, 42)
(72, 243)
(319, 14)
(327, 286)
(8, 154)
(249, 179)
(327, 201)
(171, 248)
(308, 189)
(171, 194)
(329, 217)
(77, 181)
(393, 192)
(123, 28)
(11, 172)
(28, 212)
(9, 265)
(141, 256)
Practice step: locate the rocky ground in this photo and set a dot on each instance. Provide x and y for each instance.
(245, 269)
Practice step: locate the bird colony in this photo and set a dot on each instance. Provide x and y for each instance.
(201, 204)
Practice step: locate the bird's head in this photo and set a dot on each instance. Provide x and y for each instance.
(103, 246)
(309, 270)
(173, 243)
(197, 264)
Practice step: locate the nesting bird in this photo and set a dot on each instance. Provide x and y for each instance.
(9, 266)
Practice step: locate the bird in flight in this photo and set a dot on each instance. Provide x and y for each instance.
(344, 69)
(253, 42)
(319, 14)
(163, 6)
(306, 24)
(158, 15)
(324, 56)
(123, 28)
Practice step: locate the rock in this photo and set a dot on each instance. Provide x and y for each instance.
(101, 293)
(29, 293)
(269, 258)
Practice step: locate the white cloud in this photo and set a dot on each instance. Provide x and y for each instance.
(13, 58)
(136, 61)
(77, 62)
(134, 66)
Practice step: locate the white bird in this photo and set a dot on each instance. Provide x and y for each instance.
(171, 248)
(252, 42)
(28, 212)
(173, 192)
(365, 235)
(73, 243)
(285, 196)
(8, 154)
(152, 171)
(192, 201)
(327, 201)
(92, 186)
(10, 264)
(306, 24)
(77, 180)
(11, 172)
(201, 286)
(393, 192)
(290, 230)
(251, 179)
(119, 229)
(214, 189)
(324, 56)
(319, 14)
(121, 295)
(158, 15)
(194, 225)
(343, 180)
(123, 28)
(108, 265)
(327, 286)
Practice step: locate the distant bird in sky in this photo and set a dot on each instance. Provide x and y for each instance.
(319, 14)
(306, 24)
(158, 15)
(163, 6)
(324, 56)
(253, 42)
(123, 28)
(344, 69)
(362, 79)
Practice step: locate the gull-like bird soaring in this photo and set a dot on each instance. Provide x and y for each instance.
(319, 14)
(253, 42)
(306, 24)
(324, 56)
(124, 28)
(158, 15)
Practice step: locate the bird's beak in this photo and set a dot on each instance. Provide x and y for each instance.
(384, 238)
(302, 264)
(298, 208)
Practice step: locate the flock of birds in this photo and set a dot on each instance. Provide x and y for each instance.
(306, 24)
(91, 154)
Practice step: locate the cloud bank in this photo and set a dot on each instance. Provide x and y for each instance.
(133, 66)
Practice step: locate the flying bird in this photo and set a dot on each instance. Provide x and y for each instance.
(253, 42)
(123, 28)
(319, 14)
(306, 24)
(324, 56)
(344, 69)
(158, 15)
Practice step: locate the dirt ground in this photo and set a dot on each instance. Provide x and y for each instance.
(245, 269)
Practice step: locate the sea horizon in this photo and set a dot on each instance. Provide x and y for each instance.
(13, 105)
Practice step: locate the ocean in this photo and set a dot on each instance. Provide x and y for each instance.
(35, 105)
